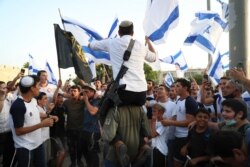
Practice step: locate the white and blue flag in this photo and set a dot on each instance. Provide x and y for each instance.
(33, 66)
(178, 60)
(219, 66)
(168, 80)
(160, 17)
(113, 32)
(51, 76)
(206, 31)
(84, 35)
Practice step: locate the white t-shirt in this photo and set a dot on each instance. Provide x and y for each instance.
(134, 78)
(49, 90)
(160, 141)
(45, 130)
(170, 112)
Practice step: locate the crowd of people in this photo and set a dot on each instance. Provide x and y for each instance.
(185, 124)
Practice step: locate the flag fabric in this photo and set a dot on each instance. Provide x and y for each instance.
(178, 60)
(206, 31)
(168, 80)
(216, 70)
(84, 35)
(33, 67)
(51, 76)
(92, 68)
(113, 32)
(71, 49)
(157, 24)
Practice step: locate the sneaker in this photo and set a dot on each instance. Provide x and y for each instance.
(121, 151)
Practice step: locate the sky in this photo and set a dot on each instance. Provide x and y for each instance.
(27, 27)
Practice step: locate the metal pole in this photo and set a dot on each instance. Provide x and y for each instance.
(239, 34)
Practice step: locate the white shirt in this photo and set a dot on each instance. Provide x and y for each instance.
(45, 130)
(160, 141)
(134, 78)
(170, 112)
(5, 115)
(49, 90)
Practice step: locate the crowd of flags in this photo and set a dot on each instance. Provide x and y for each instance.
(207, 28)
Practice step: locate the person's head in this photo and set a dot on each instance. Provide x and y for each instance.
(75, 91)
(43, 76)
(29, 84)
(163, 91)
(232, 89)
(172, 92)
(182, 86)
(42, 99)
(126, 28)
(3, 87)
(234, 110)
(223, 81)
(150, 84)
(202, 117)
(98, 84)
(158, 111)
(155, 91)
(59, 99)
(230, 146)
(90, 90)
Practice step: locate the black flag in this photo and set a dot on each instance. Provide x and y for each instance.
(70, 54)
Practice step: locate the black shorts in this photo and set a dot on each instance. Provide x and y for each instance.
(178, 144)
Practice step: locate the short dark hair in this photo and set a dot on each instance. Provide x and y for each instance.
(40, 72)
(2, 82)
(150, 80)
(165, 87)
(40, 96)
(76, 87)
(222, 143)
(202, 110)
(185, 83)
(236, 105)
(24, 89)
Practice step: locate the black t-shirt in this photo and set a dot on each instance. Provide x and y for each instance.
(198, 142)
(58, 129)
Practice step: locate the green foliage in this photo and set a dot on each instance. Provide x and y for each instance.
(26, 65)
(150, 74)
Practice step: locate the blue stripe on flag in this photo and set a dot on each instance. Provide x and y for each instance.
(113, 27)
(202, 16)
(216, 64)
(205, 43)
(96, 54)
(159, 33)
(94, 34)
(190, 39)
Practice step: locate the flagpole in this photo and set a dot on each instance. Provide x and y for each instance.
(209, 61)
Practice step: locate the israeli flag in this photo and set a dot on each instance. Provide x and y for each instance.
(84, 35)
(51, 76)
(92, 68)
(178, 60)
(168, 80)
(33, 66)
(113, 32)
(206, 31)
(157, 24)
(218, 68)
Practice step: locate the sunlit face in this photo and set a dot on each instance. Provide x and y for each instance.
(158, 113)
(74, 93)
(161, 92)
(202, 119)
(155, 92)
(179, 88)
(43, 77)
(98, 84)
(229, 89)
(172, 93)
(228, 113)
(150, 85)
(35, 89)
(222, 84)
(3, 88)
(42, 102)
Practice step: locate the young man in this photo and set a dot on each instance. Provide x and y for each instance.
(186, 109)
(26, 124)
(198, 140)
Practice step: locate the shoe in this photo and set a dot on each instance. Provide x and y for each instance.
(80, 164)
(121, 151)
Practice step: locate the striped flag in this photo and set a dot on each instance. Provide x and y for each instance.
(168, 80)
(51, 76)
(178, 59)
(157, 24)
(33, 67)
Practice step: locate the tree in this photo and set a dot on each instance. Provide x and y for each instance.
(26, 65)
(150, 74)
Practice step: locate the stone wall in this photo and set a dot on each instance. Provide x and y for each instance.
(8, 73)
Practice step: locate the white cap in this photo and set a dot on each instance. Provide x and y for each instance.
(27, 81)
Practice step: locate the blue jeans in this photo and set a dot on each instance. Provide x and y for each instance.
(27, 158)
